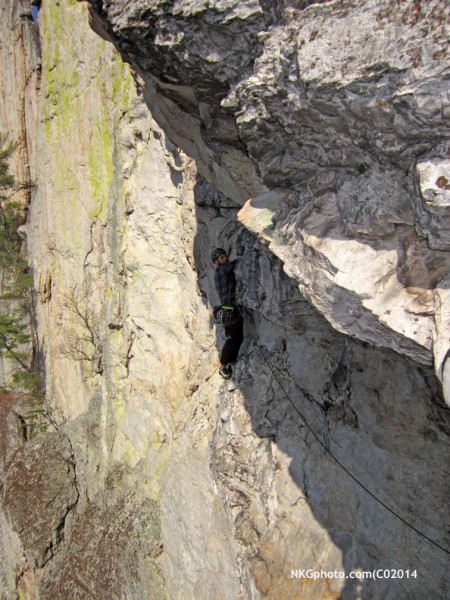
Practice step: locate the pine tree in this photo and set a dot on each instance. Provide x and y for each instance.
(15, 302)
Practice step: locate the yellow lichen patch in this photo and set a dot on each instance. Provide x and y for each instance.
(119, 408)
(123, 84)
(101, 166)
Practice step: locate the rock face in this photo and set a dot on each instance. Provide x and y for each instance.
(156, 479)
(19, 93)
(41, 469)
(20, 66)
(341, 110)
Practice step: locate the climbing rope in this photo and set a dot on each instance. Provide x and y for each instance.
(338, 462)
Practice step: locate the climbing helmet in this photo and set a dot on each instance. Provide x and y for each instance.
(216, 253)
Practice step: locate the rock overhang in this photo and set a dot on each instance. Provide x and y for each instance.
(342, 104)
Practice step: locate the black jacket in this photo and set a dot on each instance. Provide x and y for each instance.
(226, 282)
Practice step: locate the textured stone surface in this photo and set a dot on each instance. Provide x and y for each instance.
(43, 470)
(343, 104)
(19, 87)
(11, 439)
(19, 93)
(287, 499)
(188, 486)
(111, 553)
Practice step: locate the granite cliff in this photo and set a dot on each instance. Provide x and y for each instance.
(310, 140)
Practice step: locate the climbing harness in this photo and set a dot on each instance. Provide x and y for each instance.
(228, 315)
(336, 460)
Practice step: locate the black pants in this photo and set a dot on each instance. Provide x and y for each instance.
(235, 337)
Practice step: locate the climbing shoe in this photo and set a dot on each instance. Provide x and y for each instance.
(225, 372)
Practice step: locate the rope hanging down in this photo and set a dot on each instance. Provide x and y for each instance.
(338, 462)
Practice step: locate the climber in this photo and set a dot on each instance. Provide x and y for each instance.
(227, 312)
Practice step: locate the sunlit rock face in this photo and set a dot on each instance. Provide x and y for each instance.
(163, 481)
(341, 110)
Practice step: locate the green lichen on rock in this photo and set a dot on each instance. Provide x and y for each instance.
(81, 113)
(123, 84)
(115, 87)
(60, 76)
(101, 165)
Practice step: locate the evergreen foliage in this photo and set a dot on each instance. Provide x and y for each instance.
(16, 300)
